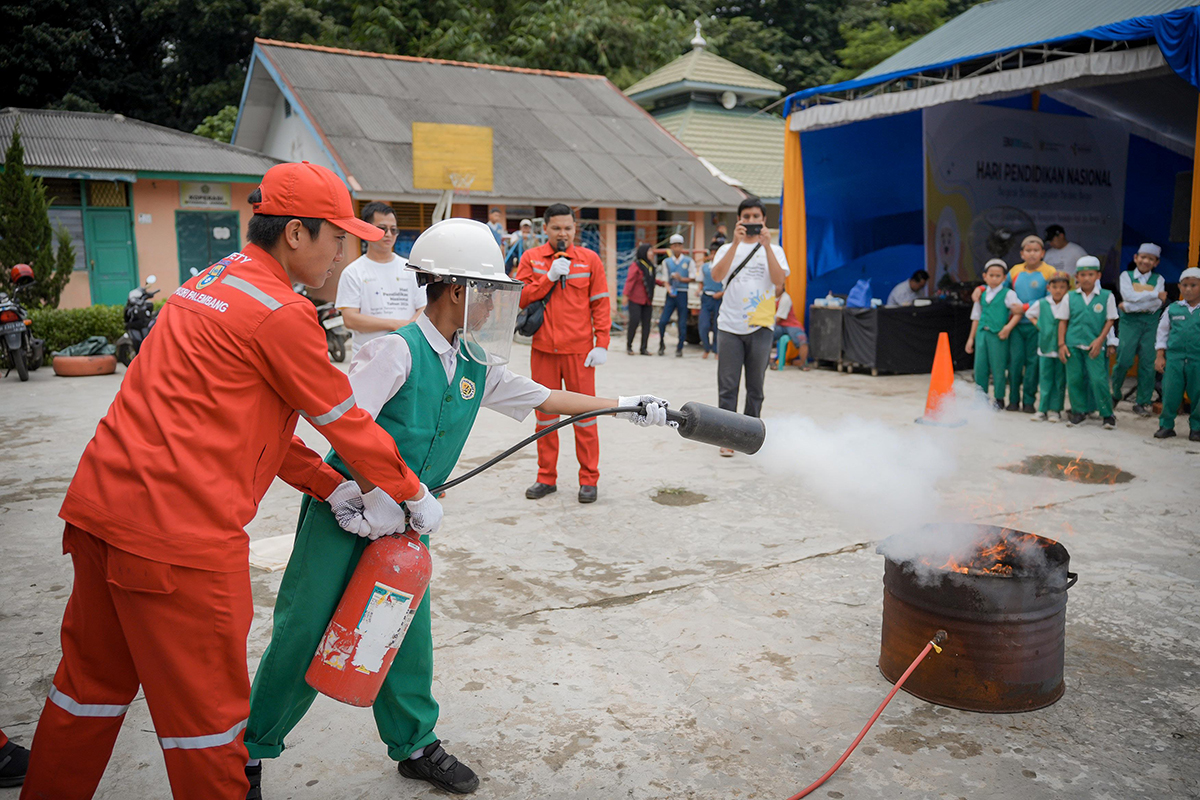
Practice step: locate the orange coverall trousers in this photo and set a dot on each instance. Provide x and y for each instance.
(180, 634)
(559, 371)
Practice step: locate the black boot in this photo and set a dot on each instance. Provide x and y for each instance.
(441, 769)
(14, 761)
(1164, 433)
(254, 775)
(1194, 436)
(540, 490)
(587, 494)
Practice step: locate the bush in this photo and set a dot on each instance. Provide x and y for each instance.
(61, 327)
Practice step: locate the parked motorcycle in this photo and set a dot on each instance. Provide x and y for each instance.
(21, 350)
(139, 319)
(336, 333)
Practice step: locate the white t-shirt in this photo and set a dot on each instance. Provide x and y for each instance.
(902, 295)
(381, 290)
(382, 367)
(1065, 258)
(751, 287)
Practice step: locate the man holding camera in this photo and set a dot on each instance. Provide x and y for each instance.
(752, 270)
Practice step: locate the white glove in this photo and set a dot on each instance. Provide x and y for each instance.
(425, 515)
(383, 514)
(559, 268)
(597, 357)
(656, 410)
(347, 505)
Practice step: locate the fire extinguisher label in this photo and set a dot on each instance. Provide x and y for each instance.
(383, 621)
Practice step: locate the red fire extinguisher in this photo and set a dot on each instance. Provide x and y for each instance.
(370, 622)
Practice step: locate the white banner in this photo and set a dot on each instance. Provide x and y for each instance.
(994, 175)
(202, 194)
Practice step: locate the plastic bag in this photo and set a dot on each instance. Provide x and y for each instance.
(91, 346)
(860, 295)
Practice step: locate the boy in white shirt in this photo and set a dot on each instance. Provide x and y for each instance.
(994, 315)
(1143, 291)
(377, 294)
(1052, 372)
(1082, 335)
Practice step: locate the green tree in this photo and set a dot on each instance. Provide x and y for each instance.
(25, 235)
(874, 30)
(219, 126)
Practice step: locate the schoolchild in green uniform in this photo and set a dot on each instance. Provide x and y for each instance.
(424, 385)
(995, 313)
(1178, 356)
(1052, 372)
(1090, 314)
(1143, 292)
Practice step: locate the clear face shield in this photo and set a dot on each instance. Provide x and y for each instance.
(489, 320)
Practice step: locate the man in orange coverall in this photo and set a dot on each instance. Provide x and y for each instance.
(571, 343)
(202, 424)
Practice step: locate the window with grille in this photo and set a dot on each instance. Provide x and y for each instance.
(63, 191)
(107, 194)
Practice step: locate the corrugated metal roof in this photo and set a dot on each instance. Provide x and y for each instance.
(79, 140)
(1006, 24)
(570, 137)
(744, 145)
(701, 66)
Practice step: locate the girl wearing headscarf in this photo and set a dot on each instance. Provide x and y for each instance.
(639, 290)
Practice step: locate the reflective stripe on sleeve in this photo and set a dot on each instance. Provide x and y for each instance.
(201, 742)
(540, 271)
(580, 275)
(596, 297)
(332, 415)
(78, 709)
(249, 288)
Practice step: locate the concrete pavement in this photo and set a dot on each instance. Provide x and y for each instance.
(720, 642)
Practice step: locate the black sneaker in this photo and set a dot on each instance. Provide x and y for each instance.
(1142, 411)
(679, 354)
(1075, 419)
(1194, 436)
(254, 775)
(540, 490)
(1028, 408)
(1013, 407)
(1164, 433)
(441, 769)
(628, 351)
(1109, 422)
(588, 494)
(14, 762)
(662, 349)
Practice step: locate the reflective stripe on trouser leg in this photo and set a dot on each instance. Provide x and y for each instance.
(93, 686)
(581, 379)
(544, 368)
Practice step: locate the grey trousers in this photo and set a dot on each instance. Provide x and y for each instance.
(751, 351)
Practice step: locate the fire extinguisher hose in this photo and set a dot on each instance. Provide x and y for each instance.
(938, 638)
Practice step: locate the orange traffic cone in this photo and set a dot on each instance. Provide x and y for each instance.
(941, 386)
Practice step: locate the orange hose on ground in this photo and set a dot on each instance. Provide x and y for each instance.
(939, 637)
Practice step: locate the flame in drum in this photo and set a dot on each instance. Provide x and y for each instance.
(1000, 557)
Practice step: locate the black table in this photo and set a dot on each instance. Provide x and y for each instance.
(901, 340)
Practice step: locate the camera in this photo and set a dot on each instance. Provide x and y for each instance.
(753, 229)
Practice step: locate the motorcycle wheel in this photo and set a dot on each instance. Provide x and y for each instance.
(124, 351)
(18, 359)
(337, 349)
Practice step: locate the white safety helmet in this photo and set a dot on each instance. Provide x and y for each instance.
(464, 252)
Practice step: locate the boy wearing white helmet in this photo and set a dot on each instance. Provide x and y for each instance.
(424, 385)
(1178, 358)
(1143, 291)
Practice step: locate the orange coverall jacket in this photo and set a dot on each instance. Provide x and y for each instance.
(575, 312)
(204, 421)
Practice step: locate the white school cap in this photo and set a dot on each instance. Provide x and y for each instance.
(525, 222)
(1190, 272)
(1150, 249)
(676, 238)
(1088, 262)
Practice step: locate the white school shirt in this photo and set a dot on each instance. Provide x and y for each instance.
(1139, 302)
(1059, 310)
(382, 290)
(1065, 258)
(902, 295)
(1011, 300)
(382, 366)
(1164, 326)
(751, 287)
(1110, 310)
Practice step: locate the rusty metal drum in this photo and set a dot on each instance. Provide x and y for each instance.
(1005, 613)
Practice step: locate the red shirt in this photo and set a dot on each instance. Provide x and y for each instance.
(635, 285)
(578, 310)
(204, 422)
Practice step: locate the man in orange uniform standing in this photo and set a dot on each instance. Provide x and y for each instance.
(202, 424)
(571, 343)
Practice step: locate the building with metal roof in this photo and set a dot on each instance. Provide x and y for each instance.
(136, 198)
(884, 173)
(702, 99)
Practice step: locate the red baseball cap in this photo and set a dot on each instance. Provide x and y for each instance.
(309, 190)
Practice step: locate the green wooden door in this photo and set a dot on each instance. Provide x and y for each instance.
(204, 238)
(111, 265)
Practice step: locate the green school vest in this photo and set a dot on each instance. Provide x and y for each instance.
(1183, 339)
(429, 419)
(1155, 281)
(1087, 320)
(993, 314)
(1047, 327)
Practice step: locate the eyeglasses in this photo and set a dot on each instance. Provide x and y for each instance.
(392, 229)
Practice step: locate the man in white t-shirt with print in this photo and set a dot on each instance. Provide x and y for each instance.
(377, 294)
(1060, 253)
(747, 316)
